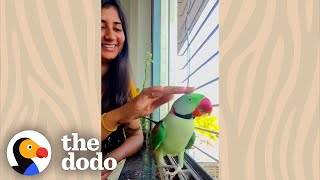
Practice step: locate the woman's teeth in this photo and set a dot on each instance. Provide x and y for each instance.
(108, 46)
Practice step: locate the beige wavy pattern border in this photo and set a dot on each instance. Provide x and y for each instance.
(50, 76)
(269, 89)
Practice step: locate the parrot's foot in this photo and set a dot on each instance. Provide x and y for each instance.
(170, 175)
(162, 169)
(175, 172)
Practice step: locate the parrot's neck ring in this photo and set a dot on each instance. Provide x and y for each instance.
(183, 116)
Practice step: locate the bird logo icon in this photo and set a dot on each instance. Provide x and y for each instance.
(29, 153)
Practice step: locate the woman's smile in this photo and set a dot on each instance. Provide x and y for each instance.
(109, 47)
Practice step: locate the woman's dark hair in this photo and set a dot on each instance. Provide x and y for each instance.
(115, 83)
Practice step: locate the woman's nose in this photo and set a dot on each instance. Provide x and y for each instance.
(109, 35)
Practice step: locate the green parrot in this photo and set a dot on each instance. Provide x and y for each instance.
(175, 133)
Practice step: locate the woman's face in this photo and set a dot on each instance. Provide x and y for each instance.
(112, 35)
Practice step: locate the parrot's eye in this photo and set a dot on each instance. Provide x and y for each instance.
(189, 99)
(29, 147)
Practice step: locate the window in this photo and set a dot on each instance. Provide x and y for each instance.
(189, 56)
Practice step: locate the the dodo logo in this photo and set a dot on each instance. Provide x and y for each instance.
(29, 152)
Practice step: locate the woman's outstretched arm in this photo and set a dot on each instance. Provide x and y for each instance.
(144, 104)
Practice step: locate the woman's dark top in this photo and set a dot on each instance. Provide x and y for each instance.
(113, 141)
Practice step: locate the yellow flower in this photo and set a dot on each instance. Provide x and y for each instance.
(209, 123)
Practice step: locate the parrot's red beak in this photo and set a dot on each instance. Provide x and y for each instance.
(42, 152)
(205, 106)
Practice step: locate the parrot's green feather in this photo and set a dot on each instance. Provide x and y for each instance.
(191, 142)
(158, 134)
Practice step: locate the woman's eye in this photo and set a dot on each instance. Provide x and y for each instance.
(118, 30)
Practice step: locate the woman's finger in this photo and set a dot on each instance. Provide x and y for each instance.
(156, 94)
(149, 90)
(167, 94)
(104, 176)
(169, 89)
(189, 90)
(104, 171)
(177, 90)
(162, 100)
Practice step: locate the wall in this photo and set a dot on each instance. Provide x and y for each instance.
(138, 14)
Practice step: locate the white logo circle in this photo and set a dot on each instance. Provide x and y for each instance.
(29, 152)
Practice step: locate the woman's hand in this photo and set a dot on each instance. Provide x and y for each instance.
(105, 174)
(148, 100)
(144, 104)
